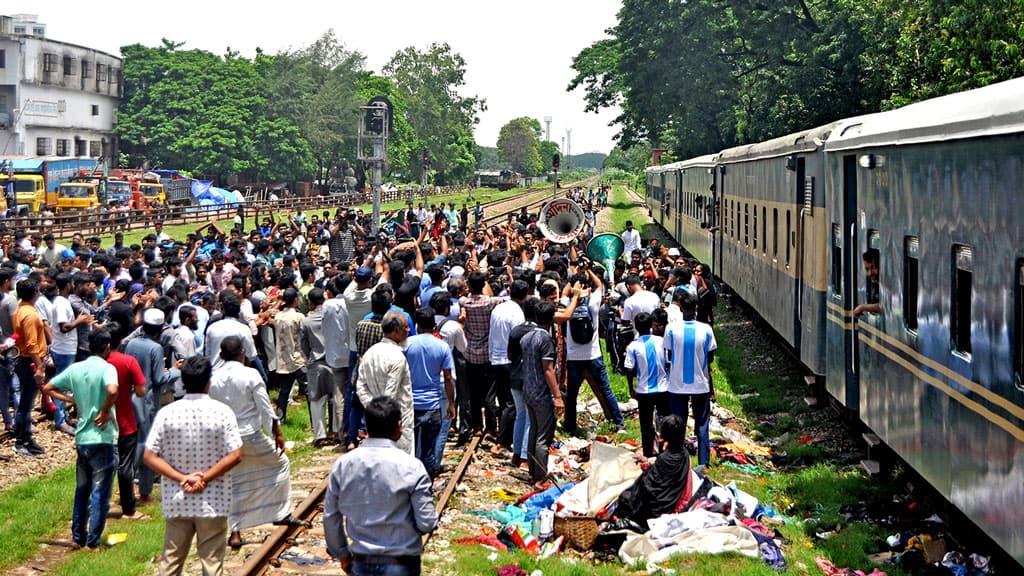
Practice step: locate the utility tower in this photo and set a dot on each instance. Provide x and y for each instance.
(547, 131)
(568, 147)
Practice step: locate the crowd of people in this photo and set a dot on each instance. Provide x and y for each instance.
(178, 358)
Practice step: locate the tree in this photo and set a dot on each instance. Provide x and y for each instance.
(518, 147)
(547, 149)
(443, 120)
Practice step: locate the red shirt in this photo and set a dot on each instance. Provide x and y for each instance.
(129, 374)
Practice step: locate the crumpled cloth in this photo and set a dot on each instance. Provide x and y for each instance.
(670, 525)
(747, 448)
(715, 540)
(830, 569)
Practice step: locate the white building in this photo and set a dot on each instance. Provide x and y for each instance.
(56, 99)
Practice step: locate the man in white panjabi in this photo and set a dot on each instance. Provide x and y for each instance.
(384, 371)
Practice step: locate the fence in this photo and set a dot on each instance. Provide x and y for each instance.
(107, 221)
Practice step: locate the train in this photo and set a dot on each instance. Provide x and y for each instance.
(931, 196)
(500, 179)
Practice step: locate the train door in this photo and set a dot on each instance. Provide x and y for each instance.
(678, 198)
(851, 269)
(802, 244)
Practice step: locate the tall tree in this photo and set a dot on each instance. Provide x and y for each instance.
(429, 81)
(517, 147)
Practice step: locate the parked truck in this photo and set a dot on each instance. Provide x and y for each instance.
(37, 179)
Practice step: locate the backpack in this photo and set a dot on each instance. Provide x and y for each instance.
(581, 324)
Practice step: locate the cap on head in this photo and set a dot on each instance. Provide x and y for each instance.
(363, 273)
(153, 317)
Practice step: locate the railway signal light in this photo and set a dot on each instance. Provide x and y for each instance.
(555, 160)
(426, 157)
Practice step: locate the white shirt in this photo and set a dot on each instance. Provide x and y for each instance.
(575, 351)
(646, 355)
(221, 329)
(192, 434)
(63, 342)
(631, 239)
(642, 301)
(384, 371)
(452, 334)
(687, 347)
(242, 389)
(504, 317)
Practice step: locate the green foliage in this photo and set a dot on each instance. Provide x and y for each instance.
(518, 147)
(547, 150)
(588, 160)
(698, 76)
(487, 158)
(443, 120)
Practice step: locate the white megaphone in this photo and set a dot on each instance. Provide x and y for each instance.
(561, 220)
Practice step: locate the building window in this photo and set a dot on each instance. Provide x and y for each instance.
(62, 147)
(80, 147)
(69, 66)
(39, 31)
(49, 62)
(95, 149)
(86, 69)
(101, 72)
(960, 310)
(3, 58)
(911, 277)
(95, 110)
(43, 146)
(19, 29)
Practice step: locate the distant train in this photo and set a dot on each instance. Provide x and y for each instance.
(935, 191)
(500, 179)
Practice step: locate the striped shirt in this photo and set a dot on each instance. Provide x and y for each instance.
(646, 355)
(687, 346)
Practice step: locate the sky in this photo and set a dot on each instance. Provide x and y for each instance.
(518, 54)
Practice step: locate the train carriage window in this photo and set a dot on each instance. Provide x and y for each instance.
(764, 230)
(789, 228)
(755, 227)
(960, 309)
(837, 260)
(911, 277)
(746, 224)
(1018, 327)
(775, 233)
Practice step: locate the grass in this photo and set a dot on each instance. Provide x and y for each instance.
(622, 208)
(39, 510)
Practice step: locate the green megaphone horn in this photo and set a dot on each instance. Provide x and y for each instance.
(606, 249)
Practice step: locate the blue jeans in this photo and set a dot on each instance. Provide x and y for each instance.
(521, 429)
(375, 569)
(442, 437)
(94, 474)
(352, 415)
(575, 372)
(428, 426)
(8, 395)
(60, 364)
(701, 419)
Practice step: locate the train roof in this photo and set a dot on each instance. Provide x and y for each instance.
(803, 141)
(699, 161)
(989, 111)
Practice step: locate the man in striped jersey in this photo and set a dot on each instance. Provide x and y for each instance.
(645, 360)
(689, 351)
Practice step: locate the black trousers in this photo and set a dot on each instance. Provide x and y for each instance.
(648, 404)
(284, 390)
(542, 434)
(126, 472)
(462, 394)
(500, 395)
(482, 415)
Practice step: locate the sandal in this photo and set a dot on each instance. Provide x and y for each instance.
(293, 522)
(137, 516)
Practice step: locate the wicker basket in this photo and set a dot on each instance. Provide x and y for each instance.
(579, 531)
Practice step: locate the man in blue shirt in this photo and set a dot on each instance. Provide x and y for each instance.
(429, 358)
(689, 351)
(378, 504)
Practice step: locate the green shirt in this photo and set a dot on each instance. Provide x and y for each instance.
(87, 381)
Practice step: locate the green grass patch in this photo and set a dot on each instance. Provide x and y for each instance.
(39, 510)
(623, 207)
(33, 510)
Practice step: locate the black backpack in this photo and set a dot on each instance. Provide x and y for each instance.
(581, 324)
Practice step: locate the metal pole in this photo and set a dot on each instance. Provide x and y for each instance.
(378, 165)
(426, 195)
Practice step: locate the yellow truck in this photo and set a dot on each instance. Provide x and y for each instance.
(76, 197)
(37, 179)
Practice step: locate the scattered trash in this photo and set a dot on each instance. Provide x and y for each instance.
(118, 538)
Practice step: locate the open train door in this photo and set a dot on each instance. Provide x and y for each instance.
(843, 370)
